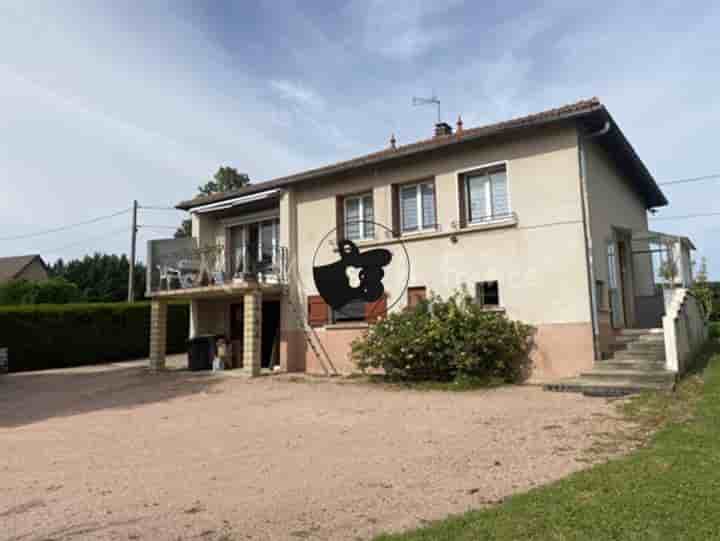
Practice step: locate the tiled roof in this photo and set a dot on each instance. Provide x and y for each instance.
(566, 112)
(10, 267)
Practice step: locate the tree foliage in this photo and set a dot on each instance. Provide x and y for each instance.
(101, 277)
(226, 179)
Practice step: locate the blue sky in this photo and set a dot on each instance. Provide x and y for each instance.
(105, 102)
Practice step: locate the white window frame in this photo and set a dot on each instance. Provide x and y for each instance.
(422, 226)
(466, 172)
(361, 199)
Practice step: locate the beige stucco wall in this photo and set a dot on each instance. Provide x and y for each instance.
(539, 262)
(613, 202)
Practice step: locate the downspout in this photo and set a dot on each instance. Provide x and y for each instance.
(588, 237)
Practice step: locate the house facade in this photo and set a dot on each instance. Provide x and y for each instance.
(542, 217)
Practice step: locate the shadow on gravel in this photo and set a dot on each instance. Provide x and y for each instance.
(35, 396)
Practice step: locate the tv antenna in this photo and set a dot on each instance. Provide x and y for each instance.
(432, 100)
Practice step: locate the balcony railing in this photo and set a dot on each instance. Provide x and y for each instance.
(177, 264)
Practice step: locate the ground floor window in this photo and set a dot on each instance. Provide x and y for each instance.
(487, 293)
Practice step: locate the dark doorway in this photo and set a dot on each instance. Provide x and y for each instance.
(237, 322)
(270, 333)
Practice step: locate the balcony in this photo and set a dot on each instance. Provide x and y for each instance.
(184, 268)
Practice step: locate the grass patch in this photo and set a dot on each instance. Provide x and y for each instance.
(667, 489)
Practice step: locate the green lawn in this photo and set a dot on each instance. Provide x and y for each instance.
(669, 489)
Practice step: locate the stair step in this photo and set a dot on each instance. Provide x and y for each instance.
(640, 332)
(632, 376)
(640, 355)
(646, 349)
(631, 364)
(600, 387)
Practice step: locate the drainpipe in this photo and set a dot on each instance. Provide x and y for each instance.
(588, 237)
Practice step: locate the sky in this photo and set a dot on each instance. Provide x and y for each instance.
(102, 103)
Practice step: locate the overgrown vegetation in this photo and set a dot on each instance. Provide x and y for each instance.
(53, 291)
(451, 340)
(665, 490)
(58, 336)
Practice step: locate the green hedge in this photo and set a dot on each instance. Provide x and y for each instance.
(57, 336)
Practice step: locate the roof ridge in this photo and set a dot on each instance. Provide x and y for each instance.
(556, 113)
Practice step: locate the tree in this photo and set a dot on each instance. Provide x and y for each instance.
(226, 179)
(101, 277)
(702, 290)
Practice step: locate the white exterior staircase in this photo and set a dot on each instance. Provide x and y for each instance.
(638, 364)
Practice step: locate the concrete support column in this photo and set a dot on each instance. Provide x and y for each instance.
(194, 315)
(158, 334)
(252, 332)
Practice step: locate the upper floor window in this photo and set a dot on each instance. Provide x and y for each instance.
(485, 194)
(417, 207)
(359, 217)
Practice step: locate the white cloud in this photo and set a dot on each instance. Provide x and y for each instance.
(297, 93)
(404, 30)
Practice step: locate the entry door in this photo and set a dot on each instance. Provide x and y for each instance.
(615, 286)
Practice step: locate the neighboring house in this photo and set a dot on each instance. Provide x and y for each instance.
(543, 217)
(23, 267)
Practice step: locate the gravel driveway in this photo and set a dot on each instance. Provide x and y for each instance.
(114, 452)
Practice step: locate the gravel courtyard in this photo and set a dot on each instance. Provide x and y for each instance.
(115, 452)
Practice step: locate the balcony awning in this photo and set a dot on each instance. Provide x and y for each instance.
(236, 201)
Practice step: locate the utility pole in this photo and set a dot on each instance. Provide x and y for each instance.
(133, 241)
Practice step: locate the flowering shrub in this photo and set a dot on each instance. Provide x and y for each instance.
(446, 340)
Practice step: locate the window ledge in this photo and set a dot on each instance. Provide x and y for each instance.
(347, 325)
(510, 221)
(499, 309)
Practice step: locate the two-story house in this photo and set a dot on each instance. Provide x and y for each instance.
(543, 217)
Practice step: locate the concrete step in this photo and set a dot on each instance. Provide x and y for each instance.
(640, 332)
(599, 387)
(639, 355)
(630, 364)
(631, 376)
(646, 349)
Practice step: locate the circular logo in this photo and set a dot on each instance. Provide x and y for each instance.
(358, 273)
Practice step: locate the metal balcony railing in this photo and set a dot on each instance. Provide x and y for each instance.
(175, 264)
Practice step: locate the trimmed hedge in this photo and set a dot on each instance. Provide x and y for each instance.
(39, 337)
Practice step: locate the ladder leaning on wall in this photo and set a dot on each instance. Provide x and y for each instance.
(309, 333)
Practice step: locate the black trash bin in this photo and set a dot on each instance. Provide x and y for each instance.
(201, 351)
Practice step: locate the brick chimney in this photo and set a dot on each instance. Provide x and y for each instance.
(442, 128)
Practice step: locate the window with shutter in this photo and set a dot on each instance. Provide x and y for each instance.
(317, 311)
(415, 296)
(376, 310)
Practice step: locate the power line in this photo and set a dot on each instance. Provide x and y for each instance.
(158, 226)
(84, 241)
(685, 217)
(685, 180)
(64, 227)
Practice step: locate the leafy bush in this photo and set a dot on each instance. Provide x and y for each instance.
(714, 330)
(57, 336)
(53, 291)
(446, 340)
